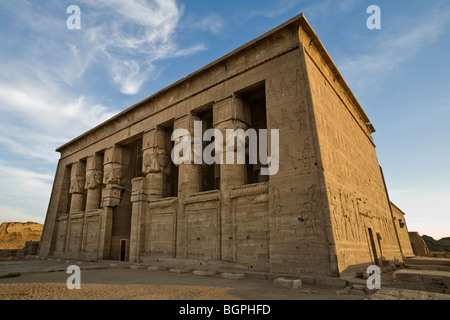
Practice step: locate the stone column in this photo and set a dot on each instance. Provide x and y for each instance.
(188, 182)
(140, 198)
(94, 179)
(77, 203)
(77, 183)
(114, 177)
(230, 113)
(155, 161)
(188, 174)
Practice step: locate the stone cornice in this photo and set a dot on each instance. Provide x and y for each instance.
(251, 189)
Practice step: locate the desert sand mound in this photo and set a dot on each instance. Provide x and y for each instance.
(13, 235)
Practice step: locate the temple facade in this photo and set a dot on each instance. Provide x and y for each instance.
(118, 195)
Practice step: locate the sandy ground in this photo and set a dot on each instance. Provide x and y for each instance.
(34, 279)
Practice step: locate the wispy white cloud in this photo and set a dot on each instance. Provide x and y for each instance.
(34, 122)
(211, 22)
(49, 82)
(133, 36)
(391, 49)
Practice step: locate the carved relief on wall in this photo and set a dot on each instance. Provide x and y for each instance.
(114, 174)
(308, 210)
(283, 88)
(345, 216)
(290, 120)
(94, 179)
(77, 184)
(277, 207)
(301, 161)
(154, 160)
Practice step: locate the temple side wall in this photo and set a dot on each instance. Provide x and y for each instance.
(402, 231)
(359, 209)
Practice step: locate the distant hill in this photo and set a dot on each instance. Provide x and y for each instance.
(442, 245)
(13, 235)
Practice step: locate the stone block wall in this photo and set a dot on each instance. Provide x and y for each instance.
(358, 208)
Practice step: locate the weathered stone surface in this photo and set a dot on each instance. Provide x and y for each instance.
(204, 272)
(178, 270)
(232, 276)
(435, 281)
(157, 268)
(288, 283)
(418, 244)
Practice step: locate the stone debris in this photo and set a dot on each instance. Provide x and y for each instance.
(177, 270)
(157, 268)
(288, 283)
(204, 272)
(232, 276)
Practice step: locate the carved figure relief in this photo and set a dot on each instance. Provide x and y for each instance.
(277, 208)
(294, 121)
(154, 160)
(114, 173)
(77, 184)
(346, 220)
(282, 89)
(308, 213)
(94, 179)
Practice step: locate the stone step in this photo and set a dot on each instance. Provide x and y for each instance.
(157, 268)
(204, 272)
(178, 270)
(427, 267)
(288, 283)
(428, 261)
(426, 280)
(232, 276)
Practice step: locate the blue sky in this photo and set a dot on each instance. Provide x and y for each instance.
(57, 83)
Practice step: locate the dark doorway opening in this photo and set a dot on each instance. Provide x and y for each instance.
(123, 248)
(373, 246)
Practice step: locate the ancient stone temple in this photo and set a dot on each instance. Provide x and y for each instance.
(118, 195)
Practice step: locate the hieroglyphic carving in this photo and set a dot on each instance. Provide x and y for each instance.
(345, 216)
(285, 87)
(288, 160)
(277, 208)
(303, 162)
(308, 210)
(295, 121)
